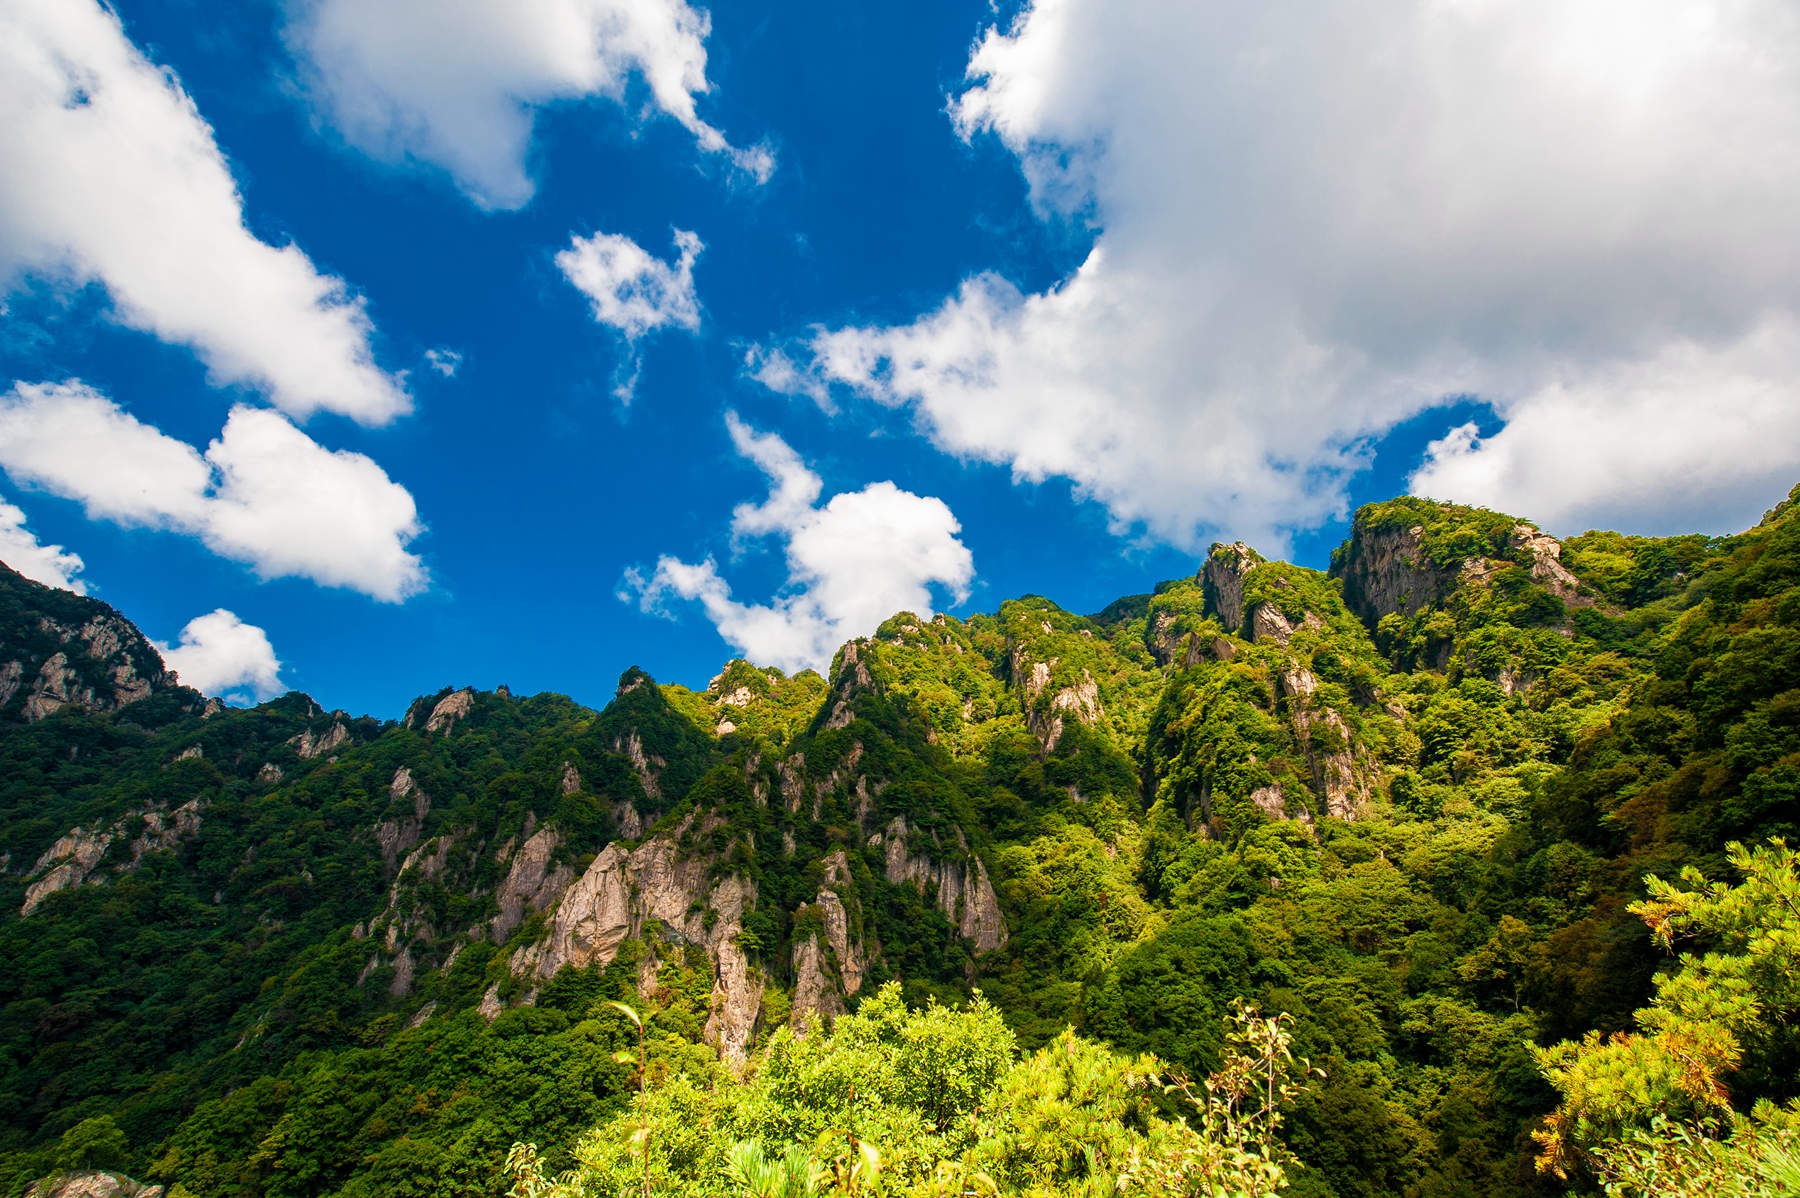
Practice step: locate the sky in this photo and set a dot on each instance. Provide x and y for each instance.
(370, 348)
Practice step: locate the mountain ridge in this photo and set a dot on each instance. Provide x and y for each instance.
(1097, 820)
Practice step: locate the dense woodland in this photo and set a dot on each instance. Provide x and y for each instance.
(1414, 877)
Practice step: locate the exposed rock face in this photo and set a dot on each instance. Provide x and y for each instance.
(396, 836)
(74, 651)
(1326, 739)
(451, 708)
(57, 684)
(792, 772)
(1545, 552)
(1081, 699)
(621, 891)
(1272, 801)
(815, 998)
(309, 744)
(91, 1185)
(648, 767)
(530, 884)
(852, 679)
(962, 892)
(1385, 570)
(74, 857)
(815, 993)
(1270, 623)
(1222, 581)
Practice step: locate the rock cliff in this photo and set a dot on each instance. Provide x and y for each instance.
(1385, 569)
(59, 649)
(75, 856)
(960, 888)
(622, 891)
(1222, 581)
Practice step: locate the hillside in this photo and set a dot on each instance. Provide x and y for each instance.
(286, 951)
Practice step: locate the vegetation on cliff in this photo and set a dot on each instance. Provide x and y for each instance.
(1410, 805)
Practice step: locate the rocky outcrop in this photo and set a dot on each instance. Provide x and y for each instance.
(91, 1185)
(10, 673)
(72, 651)
(1222, 581)
(531, 884)
(397, 836)
(851, 679)
(56, 685)
(310, 744)
(622, 891)
(1326, 739)
(1272, 801)
(1385, 570)
(1045, 720)
(827, 973)
(961, 890)
(648, 767)
(1270, 623)
(451, 708)
(75, 856)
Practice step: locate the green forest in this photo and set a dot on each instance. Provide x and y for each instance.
(1459, 870)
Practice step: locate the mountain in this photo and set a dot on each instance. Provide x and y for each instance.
(281, 950)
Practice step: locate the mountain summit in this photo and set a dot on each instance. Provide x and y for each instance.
(1404, 801)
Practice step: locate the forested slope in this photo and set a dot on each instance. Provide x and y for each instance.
(1407, 802)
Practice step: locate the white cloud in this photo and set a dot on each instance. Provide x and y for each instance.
(51, 565)
(1621, 447)
(109, 174)
(263, 493)
(1315, 218)
(219, 653)
(851, 564)
(445, 361)
(630, 290)
(458, 85)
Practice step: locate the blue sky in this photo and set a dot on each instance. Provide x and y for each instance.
(976, 303)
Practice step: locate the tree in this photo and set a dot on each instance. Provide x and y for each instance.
(1652, 1111)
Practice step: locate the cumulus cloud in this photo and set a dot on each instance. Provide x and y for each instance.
(852, 562)
(109, 174)
(51, 565)
(219, 654)
(1314, 218)
(458, 86)
(263, 492)
(629, 289)
(1696, 436)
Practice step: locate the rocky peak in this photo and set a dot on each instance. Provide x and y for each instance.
(1222, 581)
(1385, 570)
(849, 678)
(451, 708)
(59, 649)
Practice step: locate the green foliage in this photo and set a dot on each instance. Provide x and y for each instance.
(1421, 837)
(1727, 1014)
(937, 1102)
